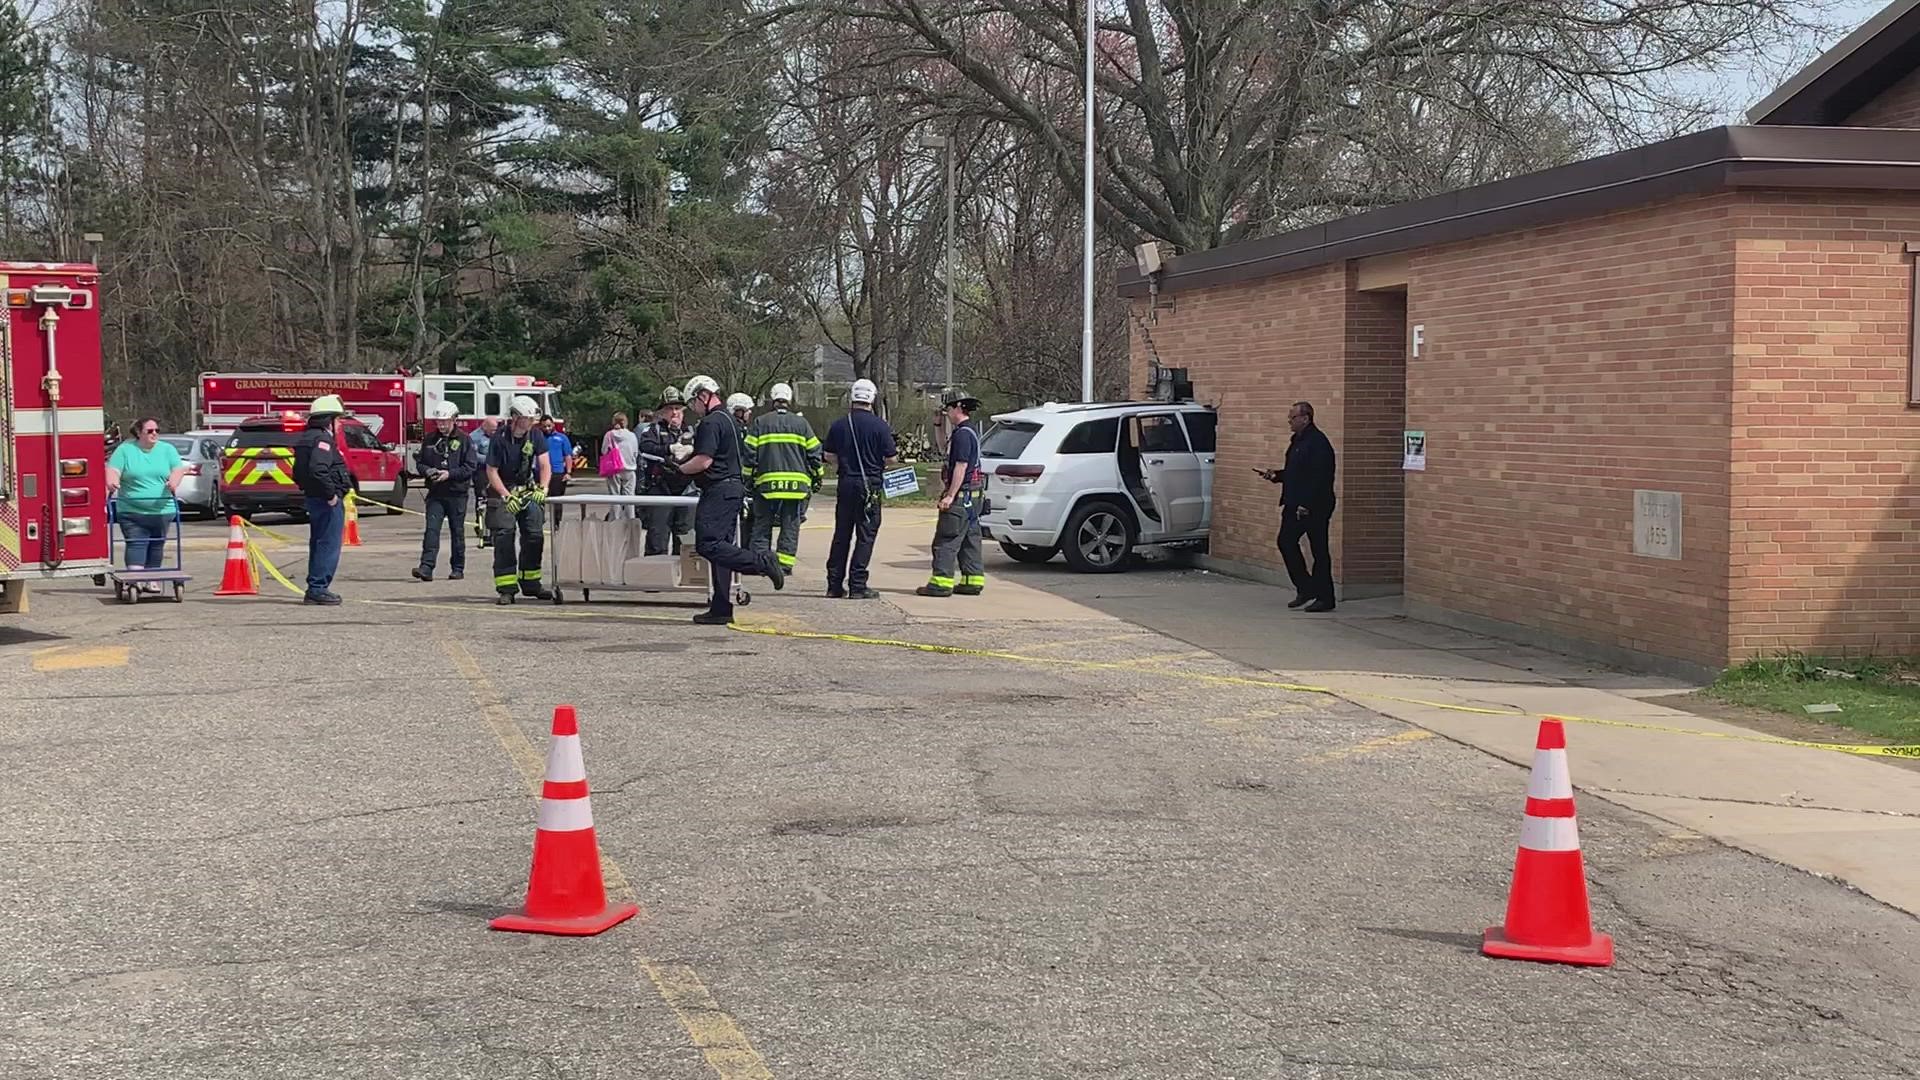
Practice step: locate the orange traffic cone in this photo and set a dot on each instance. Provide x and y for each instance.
(1547, 913)
(565, 894)
(238, 580)
(352, 537)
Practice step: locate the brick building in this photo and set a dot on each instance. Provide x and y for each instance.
(1668, 394)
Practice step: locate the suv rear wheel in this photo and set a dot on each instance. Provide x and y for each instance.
(1099, 538)
(1026, 553)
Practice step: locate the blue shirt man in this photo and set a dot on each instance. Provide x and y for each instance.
(560, 456)
(559, 447)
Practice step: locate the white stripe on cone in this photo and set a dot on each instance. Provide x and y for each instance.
(565, 815)
(1549, 834)
(564, 763)
(1550, 778)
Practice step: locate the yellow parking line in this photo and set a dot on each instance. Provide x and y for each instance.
(718, 1036)
(1368, 747)
(72, 658)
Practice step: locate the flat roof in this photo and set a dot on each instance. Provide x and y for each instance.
(1865, 63)
(1770, 156)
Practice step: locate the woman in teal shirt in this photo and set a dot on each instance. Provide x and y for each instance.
(144, 476)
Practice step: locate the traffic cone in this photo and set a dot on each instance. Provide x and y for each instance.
(352, 537)
(1548, 917)
(238, 580)
(565, 894)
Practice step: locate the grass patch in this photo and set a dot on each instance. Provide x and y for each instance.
(1877, 696)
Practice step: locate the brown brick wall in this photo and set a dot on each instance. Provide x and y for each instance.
(1372, 495)
(1898, 107)
(1252, 350)
(1563, 368)
(1747, 350)
(1825, 520)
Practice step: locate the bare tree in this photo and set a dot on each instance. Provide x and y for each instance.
(1221, 119)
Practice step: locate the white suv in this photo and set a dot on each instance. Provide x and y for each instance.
(1094, 482)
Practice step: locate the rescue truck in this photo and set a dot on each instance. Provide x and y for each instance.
(53, 485)
(394, 407)
(256, 468)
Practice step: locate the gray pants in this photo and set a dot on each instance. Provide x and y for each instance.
(956, 540)
(785, 513)
(621, 483)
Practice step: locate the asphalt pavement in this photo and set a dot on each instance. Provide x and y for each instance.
(247, 838)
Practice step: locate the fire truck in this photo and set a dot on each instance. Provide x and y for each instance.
(53, 486)
(393, 407)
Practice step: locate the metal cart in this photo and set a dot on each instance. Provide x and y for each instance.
(590, 553)
(127, 583)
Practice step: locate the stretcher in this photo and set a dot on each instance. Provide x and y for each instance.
(585, 551)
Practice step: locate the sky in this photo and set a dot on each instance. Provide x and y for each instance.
(1744, 86)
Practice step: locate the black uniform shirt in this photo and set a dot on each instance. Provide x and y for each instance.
(517, 457)
(718, 437)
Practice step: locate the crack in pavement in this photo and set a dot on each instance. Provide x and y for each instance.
(1751, 802)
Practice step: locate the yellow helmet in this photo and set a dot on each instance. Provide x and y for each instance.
(327, 405)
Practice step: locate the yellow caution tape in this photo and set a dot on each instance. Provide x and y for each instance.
(1307, 688)
(254, 550)
(264, 531)
(354, 496)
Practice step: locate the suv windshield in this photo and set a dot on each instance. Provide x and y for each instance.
(1008, 439)
(181, 445)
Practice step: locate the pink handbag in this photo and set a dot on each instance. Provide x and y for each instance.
(610, 462)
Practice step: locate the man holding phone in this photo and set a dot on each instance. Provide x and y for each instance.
(1306, 509)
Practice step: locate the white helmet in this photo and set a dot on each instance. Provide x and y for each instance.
(864, 391)
(737, 402)
(697, 384)
(781, 392)
(523, 405)
(445, 410)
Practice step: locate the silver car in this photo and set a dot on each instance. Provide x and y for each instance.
(200, 490)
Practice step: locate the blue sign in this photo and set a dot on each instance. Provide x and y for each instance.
(897, 482)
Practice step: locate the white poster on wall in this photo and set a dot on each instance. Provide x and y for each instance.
(1413, 454)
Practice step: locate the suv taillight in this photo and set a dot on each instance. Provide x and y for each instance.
(1019, 474)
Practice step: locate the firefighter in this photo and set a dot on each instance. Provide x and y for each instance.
(518, 472)
(448, 460)
(861, 447)
(956, 537)
(321, 473)
(785, 467)
(664, 444)
(716, 467)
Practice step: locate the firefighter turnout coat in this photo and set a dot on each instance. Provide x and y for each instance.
(783, 459)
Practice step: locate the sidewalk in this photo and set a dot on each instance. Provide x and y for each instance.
(1853, 818)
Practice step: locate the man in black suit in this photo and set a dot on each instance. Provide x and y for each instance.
(1306, 509)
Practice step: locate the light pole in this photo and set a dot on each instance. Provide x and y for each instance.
(930, 141)
(1086, 250)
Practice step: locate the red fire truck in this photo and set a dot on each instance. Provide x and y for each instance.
(392, 406)
(53, 488)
